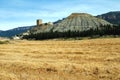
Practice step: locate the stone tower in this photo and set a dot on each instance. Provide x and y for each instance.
(39, 22)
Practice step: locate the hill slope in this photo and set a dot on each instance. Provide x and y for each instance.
(112, 17)
(74, 22)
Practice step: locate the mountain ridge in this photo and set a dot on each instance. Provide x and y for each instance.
(15, 31)
(112, 17)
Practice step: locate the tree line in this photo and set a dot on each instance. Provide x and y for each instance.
(102, 31)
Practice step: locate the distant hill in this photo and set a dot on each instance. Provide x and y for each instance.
(74, 22)
(75, 25)
(0, 30)
(112, 17)
(15, 31)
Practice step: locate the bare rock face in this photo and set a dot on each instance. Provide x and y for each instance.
(76, 22)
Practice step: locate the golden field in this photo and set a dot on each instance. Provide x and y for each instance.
(95, 59)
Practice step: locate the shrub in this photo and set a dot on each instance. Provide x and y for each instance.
(4, 42)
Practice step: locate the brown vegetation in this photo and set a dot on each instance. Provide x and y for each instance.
(95, 59)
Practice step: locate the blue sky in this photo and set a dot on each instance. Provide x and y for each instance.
(17, 13)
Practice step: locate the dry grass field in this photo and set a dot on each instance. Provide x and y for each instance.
(95, 59)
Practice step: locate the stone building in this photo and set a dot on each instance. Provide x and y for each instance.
(39, 22)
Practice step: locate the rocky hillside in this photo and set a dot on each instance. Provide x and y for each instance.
(112, 17)
(74, 22)
(75, 25)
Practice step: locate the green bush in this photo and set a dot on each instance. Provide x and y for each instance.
(4, 42)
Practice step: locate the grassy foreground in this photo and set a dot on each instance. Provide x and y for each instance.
(95, 59)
